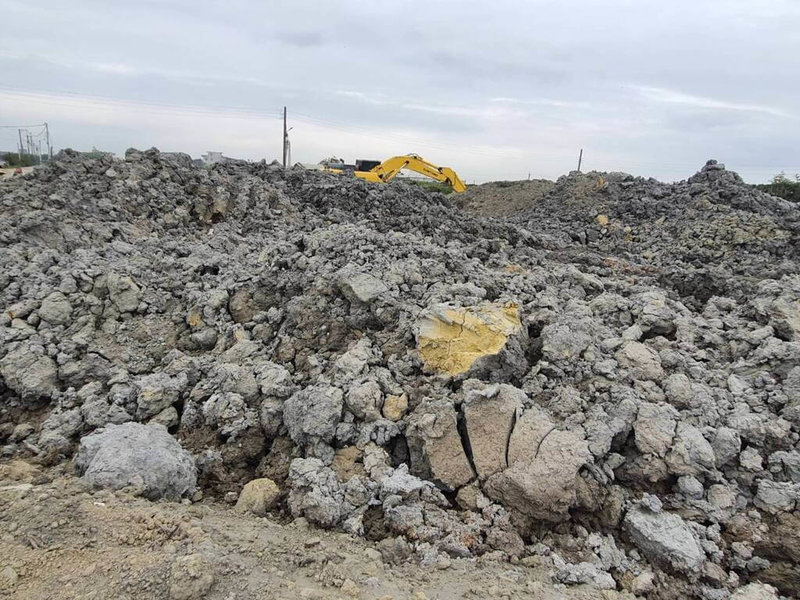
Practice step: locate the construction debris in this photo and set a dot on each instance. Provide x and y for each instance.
(605, 384)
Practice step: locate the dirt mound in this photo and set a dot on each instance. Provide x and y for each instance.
(606, 384)
(709, 235)
(503, 198)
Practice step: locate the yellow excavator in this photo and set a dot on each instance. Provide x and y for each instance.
(387, 170)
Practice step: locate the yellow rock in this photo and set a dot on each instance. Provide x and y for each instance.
(602, 220)
(395, 407)
(346, 463)
(450, 339)
(195, 317)
(514, 268)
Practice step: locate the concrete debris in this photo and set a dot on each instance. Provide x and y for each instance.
(29, 372)
(313, 413)
(490, 414)
(664, 538)
(544, 463)
(145, 457)
(360, 287)
(390, 362)
(435, 446)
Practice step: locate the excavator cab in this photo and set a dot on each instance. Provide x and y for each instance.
(366, 165)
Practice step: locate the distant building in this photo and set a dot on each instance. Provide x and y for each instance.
(212, 158)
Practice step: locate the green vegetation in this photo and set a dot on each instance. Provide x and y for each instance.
(783, 187)
(13, 159)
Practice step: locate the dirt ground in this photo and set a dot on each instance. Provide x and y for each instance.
(502, 198)
(62, 541)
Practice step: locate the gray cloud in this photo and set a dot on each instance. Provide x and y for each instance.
(496, 90)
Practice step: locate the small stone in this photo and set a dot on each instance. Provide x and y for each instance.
(191, 577)
(395, 407)
(350, 588)
(124, 293)
(8, 577)
(258, 496)
(755, 591)
(360, 287)
(690, 486)
(651, 503)
(643, 584)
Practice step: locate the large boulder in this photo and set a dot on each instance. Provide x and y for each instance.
(360, 287)
(664, 538)
(56, 309)
(157, 391)
(691, 453)
(452, 339)
(641, 361)
(490, 414)
(313, 413)
(435, 444)
(146, 457)
(123, 291)
(654, 428)
(544, 464)
(29, 372)
(316, 493)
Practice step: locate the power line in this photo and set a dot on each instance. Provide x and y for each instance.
(22, 126)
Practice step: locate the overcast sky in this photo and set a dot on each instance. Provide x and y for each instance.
(495, 89)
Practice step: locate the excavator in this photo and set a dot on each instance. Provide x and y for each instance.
(384, 172)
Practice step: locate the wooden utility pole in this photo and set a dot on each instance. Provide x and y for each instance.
(580, 160)
(20, 145)
(285, 137)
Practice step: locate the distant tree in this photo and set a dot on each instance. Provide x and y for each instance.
(783, 186)
(13, 159)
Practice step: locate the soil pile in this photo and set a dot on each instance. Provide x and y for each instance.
(606, 384)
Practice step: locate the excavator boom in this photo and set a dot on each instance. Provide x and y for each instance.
(390, 168)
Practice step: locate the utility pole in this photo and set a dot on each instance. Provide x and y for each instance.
(580, 160)
(49, 147)
(20, 145)
(285, 138)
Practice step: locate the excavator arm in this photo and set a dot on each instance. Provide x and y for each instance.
(389, 169)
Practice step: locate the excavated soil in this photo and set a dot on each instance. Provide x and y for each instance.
(63, 541)
(585, 388)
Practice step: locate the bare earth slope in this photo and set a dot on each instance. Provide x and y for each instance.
(62, 541)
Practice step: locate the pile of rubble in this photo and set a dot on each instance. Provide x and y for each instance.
(610, 389)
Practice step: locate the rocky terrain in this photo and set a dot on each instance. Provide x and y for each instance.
(602, 384)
